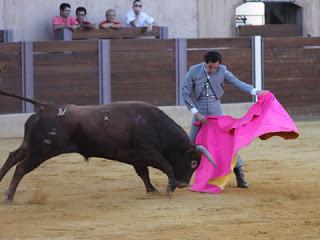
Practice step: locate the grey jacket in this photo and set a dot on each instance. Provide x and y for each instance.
(196, 78)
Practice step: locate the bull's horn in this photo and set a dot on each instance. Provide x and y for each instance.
(205, 152)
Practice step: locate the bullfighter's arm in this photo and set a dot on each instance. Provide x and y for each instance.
(230, 78)
(187, 92)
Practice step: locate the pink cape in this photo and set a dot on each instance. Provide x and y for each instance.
(224, 136)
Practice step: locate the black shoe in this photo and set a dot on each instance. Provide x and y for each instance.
(241, 182)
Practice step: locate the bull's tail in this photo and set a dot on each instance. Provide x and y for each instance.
(2, 66)
(37, 103)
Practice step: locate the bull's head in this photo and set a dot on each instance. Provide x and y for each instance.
(191, 161)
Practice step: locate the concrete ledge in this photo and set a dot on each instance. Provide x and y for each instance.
(183, 117)
(12, 125)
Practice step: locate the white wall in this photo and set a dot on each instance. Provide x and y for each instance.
(253, 11)
(31, 19)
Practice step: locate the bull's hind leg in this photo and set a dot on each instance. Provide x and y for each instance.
(143, 173)
(13, 158)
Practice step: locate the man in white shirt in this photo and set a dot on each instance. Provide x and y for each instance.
(137, 18)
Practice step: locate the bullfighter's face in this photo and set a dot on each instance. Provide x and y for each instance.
(212, 67)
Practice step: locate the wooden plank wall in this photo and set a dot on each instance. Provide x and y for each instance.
(143, 70)
(67, 72)
(269, 30)
(236, 53)
(292, 73)
(124, 33)
(10, 77)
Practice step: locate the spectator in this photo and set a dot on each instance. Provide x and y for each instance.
(111, 20)
(81, 13)
(137, 18)
(65, 20)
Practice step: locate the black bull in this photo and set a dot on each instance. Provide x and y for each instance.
(135, 133)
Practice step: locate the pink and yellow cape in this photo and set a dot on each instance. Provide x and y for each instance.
(224, 136)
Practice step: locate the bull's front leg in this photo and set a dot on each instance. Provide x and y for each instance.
(162, 164)
(143, 173)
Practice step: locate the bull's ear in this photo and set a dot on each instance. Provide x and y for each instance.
(192, 152)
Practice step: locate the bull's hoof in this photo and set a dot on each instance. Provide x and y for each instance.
(153, 191)
(170, 189)
(9, 202)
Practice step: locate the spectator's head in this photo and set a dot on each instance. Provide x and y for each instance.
(65, 10)
(137, 6)
(213, 59)
(111, 15)
(81, 13)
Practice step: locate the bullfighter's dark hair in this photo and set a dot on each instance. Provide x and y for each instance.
(213, 56)
(136, 1)
(63, 6)
(81, 9)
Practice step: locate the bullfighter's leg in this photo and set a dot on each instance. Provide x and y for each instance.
(143, 173)
(13, 158)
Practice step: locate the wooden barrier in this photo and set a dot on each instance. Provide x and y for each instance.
(143, 70)
(123, 33)
(93, 72)
(66, 72)
(237, 56)
(130, 32)
(269, 30)
(10, 76)
(291, 71)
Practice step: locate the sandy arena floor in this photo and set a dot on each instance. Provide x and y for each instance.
(67, 198)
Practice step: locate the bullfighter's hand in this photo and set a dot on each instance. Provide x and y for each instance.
(261, 92)
(201, 118)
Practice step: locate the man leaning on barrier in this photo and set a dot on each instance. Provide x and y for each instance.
(137, 18)
(81, 13)
(111, 21)
(64, 20)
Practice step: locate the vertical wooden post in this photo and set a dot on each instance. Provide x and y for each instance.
(181, 67)
(104, 72)
(8, 35)
(63, 34)
(257, 63)
(164, 33)
(27, 75)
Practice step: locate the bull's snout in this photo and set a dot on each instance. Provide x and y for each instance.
(181, 184)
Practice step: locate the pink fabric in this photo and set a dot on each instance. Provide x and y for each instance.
(70, 21)
(224, 136)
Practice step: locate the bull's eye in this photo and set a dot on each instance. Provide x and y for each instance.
(194, 164)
